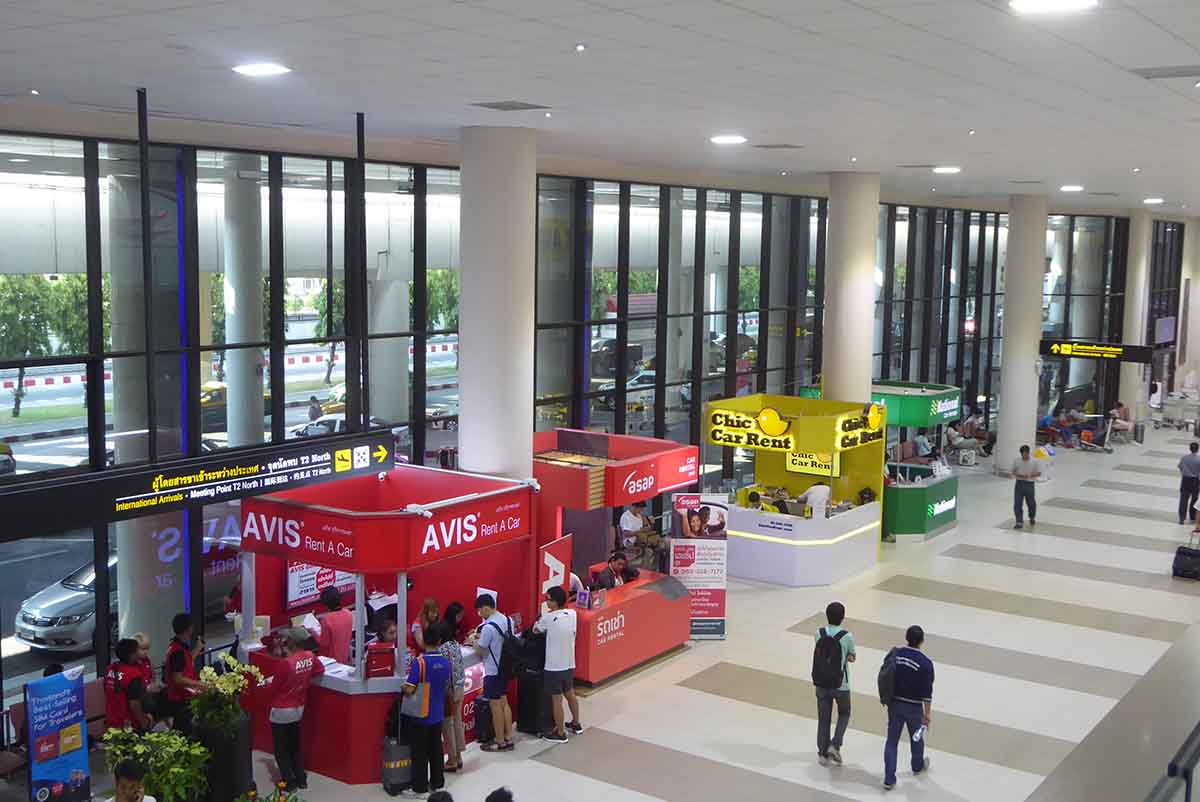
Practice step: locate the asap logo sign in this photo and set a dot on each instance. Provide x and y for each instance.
(635, 485)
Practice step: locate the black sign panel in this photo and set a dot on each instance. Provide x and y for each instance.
(49, 506)
(1104, 352)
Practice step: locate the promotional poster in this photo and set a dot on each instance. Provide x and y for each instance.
(305, 583)
(58, 754)
(698, 558)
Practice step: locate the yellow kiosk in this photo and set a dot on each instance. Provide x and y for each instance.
(795, 535)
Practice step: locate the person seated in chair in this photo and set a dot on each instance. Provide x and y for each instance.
(956, 441)
(1122, 418)
(755, 502)
(618, 572)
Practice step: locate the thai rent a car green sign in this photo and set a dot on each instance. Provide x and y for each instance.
(913, 404)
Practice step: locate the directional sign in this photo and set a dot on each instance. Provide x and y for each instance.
(1105, 352)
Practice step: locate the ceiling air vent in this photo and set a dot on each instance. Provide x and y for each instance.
(1162, 73)
(1105, 194)
(915, 166)
(778, 146)
(510, 105)
(1025, 181)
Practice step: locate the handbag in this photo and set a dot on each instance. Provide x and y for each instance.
(416, 704)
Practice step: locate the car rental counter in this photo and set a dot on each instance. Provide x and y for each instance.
(798, 443)
(394, 538)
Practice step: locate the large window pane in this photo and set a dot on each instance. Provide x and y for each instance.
(716, 252)
(389, 206)
(314, 370)
(314, 252)
(682, 261)
(781, 250)
(642, 347)
(441, 375)
(235, 406)
(679, 348)
(599, 413)
(643, 250)
(442, 260)
(390, 381)
(555, 251)
(232, 206)
(47, 435)
(555, 362)
(150, 577)
(750, 252)
(601, 273)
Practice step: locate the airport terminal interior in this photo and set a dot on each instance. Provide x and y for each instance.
(409, 300)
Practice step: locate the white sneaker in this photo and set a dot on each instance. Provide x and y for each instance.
(823, 760)
(409, 793)
(835, 755)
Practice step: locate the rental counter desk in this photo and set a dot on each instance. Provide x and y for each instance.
(798, 443)
(916, 504)
(583, 477)
(395, 538)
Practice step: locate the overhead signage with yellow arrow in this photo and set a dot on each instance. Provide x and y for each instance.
(1104, 352)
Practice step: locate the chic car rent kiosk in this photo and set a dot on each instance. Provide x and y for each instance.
(394, 538)
(583, 476)
(799, 442)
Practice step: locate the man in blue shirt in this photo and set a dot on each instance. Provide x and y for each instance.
(831, 748)
(911, 706)
(490, 646)
(428, 678)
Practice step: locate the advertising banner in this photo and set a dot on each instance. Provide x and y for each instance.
(305, 583)
(58, 751)
(698, 558)
(553, 559)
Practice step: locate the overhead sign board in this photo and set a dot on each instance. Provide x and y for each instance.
(1105, 352)
(766, 431)
(811, 462)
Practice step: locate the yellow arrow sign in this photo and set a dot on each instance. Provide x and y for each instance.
(381, 453)
(1054, 348)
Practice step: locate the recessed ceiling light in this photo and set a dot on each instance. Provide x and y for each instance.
(933, 189)
(947, 170)
(55, 172)
(783, 172)
(262, 69)
(971, 132)
(1137, 169)
(1153, 201)
(549, 115)
(1051, 6)
(34, 92)
(18, 161)
(853, 158)
(728, 139)
(1197, 85)
(1070, 188)
(580, 47)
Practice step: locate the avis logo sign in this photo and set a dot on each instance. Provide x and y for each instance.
(636, 485)
(273, 529)
(556, 572)
(448, 534)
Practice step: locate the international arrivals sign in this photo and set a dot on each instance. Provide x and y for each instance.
(1104, 352)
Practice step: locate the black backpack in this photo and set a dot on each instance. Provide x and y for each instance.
(827, 669)
(887, 678)
(512, 652)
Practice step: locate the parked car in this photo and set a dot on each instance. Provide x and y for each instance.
(336, 424)
(640, 381)
(8, 463)
(61, 617)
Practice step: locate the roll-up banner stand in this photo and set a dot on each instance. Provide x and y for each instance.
(698, 558)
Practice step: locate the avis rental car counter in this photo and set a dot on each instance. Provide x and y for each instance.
(801, 536)
(395, 538)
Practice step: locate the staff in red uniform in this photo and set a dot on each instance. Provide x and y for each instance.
(337, 625)
(179, 668)
(291, 680)
(124, 689)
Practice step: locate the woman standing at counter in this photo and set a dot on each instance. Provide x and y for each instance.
(452, 725)
(337, 625)
(428, 617)
(453, 618)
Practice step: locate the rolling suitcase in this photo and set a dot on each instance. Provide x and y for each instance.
(1187, 560)
(485, 732)
(396, 773)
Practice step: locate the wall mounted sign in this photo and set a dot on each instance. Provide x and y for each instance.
(810, 462)
(766, 431)
(1105, 352)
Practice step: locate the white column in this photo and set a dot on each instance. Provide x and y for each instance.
(389, 357)
(496, 322)
(1137, 292)
(850, 286)
(243, 298)
(1022, 326)
(679, 300)
(205, 314)
(1187, 335)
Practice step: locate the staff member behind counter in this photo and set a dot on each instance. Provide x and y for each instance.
(817, 497)
(618, 572)
(337, 626)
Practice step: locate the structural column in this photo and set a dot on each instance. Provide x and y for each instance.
(850, 286)
(390, 275)
(1187, 336)
(1022, 327)
(1133, 387)
(496, 322)
(243, 298)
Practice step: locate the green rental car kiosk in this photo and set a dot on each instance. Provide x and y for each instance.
(919, 505)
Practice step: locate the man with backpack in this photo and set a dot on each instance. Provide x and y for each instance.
(831, 677)
(906, 688)
(495, 643)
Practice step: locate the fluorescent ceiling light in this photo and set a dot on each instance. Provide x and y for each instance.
(853, 158)
(34, 92)
(1153, 201)
(971, 132)
(728, 139)
(783, 172)
(1137, 169)
(261, 69)
(947, 170)
(580, 47)
(549, 115)
(18, 161)
(1070, 188)
(1051, 6)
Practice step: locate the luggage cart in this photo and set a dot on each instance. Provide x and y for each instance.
(1182, 413)
(1106, 446)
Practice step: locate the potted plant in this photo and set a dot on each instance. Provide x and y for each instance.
(281, 794)
(176, 767)
(223, 726)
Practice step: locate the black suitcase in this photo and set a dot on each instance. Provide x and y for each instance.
(534, 715)
(1187, 561)
(485, 732)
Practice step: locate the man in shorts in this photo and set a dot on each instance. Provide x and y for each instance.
(488, 643)
(558, 677)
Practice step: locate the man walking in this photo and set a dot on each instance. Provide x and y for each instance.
(1189, 483)
(911, 705)
(831, 677)
(1024, 471)
(558, 676)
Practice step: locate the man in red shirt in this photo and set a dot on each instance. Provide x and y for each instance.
(291, 681)
(124, 689)
(183, 680)
(337, 625)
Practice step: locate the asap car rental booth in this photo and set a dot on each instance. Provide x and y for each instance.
(583, 476)
(798, 442)
(397, 537)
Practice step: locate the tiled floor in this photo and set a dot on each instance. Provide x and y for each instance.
(1067, 666)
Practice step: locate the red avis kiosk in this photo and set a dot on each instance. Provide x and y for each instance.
(444, 533)
(583, 476)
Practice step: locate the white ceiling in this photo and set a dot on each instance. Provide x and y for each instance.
(891, 82)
